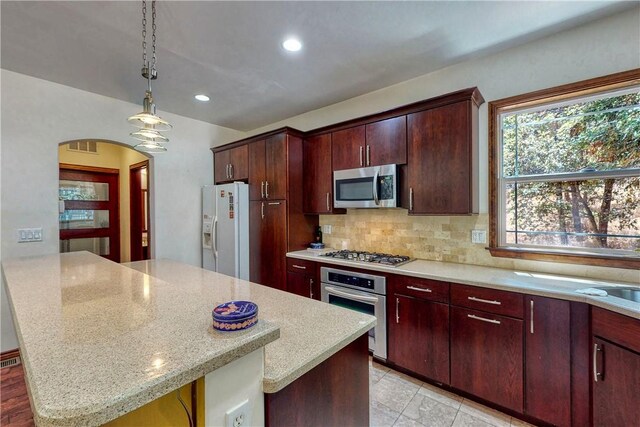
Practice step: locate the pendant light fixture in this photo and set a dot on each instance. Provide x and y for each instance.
(150, 124)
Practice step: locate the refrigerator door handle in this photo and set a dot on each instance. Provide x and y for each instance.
(214, 238)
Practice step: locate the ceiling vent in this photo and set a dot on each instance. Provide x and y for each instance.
(84, 146)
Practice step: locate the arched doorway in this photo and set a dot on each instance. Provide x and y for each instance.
(104, 197)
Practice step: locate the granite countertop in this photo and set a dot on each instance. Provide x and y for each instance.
(544, 284)
(310, 331)
(98, 339)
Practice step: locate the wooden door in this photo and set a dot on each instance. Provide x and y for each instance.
(439, 160)
(276, 167)
(139, 230)
(318, 178)
(419, 336)
(300, 284)
(239, 161)
(616, 394)
(257, 169)
(348, 148)
(221, 166)
(274, 244)
(548, 360)
(91, 219)
(487, 356)
(387, 142)
(256, 240)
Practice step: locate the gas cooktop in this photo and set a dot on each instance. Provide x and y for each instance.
(369, 257)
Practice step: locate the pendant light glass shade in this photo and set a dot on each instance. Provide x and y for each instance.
(150, 147)
(148, 116)
(149, 134)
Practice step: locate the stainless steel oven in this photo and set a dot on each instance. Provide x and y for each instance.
(372, 187)
(361, 292)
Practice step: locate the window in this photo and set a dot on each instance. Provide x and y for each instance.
(565, 173)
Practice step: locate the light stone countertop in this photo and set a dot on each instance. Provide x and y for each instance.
(310, 331)
(98, 339)
(543, 284)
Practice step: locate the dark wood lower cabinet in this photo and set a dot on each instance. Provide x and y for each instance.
(419, 337)
(303, 284)
(486, 356)
(548, 360)
(334, 393)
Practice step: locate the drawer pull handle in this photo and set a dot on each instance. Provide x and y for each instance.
(397, 310)
(531, 316)
(596, 374)
(486, 301)
(301, 267)
(473, 316)
(414, 288)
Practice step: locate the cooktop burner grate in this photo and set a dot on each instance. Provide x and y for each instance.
(369, 257)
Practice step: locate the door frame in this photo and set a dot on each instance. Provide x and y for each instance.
(135, 213)
(114, 218)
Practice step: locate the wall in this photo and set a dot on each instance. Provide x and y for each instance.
(37, 115)
(116, 157)
(603, 47)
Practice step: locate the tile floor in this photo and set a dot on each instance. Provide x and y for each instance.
(400, 400)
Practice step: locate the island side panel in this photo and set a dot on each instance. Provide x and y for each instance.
(334, 393)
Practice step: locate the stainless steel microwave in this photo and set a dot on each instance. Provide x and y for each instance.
(372, 187)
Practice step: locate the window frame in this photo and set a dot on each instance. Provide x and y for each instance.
(528, 100)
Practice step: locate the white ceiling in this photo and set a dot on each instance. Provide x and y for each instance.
(232, 50)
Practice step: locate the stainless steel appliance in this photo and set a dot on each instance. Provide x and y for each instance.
(372, 187)
(225, 229)
(369, 257)
(361, 292)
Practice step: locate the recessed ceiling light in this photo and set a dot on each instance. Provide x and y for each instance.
(202, 97)
(292, 45)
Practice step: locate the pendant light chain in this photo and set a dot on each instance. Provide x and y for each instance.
(144, 34)
(153, 36)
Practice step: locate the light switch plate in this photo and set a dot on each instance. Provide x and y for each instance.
(26, 235)
(479, 236)
(326, 229)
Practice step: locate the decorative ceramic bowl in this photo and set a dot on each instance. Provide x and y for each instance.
(235, 315)
(315, 245)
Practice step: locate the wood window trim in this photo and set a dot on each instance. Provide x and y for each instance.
(554, 94)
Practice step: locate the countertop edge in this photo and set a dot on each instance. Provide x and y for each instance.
(274, 385)
(615, 306)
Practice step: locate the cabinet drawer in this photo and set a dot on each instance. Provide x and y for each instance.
(432, 290)
(490, 300)
(301, 266)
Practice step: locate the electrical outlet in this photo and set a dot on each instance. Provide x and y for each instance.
(239, 415)
(29, 235)
(479, 236)
(326, 229)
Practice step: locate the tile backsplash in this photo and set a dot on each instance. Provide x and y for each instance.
(440, 238)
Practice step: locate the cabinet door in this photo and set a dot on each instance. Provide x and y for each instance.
(256, 240)
(274, 244)
(439, 160)
(419, 337)
(221, 166)
(257, 169)
(386, 142)
(616, 396)
(276, 167)
(239, 161)
(318, 179)
(348, 148)
(486, 356)
(548, 360)
(300, 284)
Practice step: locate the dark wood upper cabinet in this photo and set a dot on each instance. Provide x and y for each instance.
(548, 360)
(268, 168)
(257, 169)
(386, 142)
(348, 148)
(318, 176)
(232, 164)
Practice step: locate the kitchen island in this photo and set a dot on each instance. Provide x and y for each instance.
(99, 340)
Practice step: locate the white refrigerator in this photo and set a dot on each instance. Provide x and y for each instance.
(225, 229)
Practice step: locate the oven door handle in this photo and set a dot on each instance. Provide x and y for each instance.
(354, 297)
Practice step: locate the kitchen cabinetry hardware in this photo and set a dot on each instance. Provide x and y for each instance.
(273, 203)
(311, 288)
(375, 188)
(368, 155)
(486, 301)
(397, 310)
(231, 171)
(484, 319)
(361, 156)
(227, 170)
(362, 298)
(328, 205)
(262, 210)
(596, 374)
(411, 198)
(531, 320)
(414, 288)
(301, 267)
(262, 189)
(266, 189)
